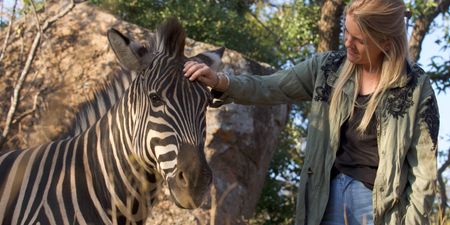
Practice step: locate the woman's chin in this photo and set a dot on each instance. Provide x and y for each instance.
(352, 58)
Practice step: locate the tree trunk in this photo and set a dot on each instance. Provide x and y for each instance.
(421, 28)
(330, 25)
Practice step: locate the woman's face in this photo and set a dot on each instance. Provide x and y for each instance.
(361, 50)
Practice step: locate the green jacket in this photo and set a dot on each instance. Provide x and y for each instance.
(407, 127)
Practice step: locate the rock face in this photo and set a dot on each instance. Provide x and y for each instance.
(74, 59)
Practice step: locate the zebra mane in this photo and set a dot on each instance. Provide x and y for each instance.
(170, 37)
(102, 100)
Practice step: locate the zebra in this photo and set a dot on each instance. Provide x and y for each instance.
(111, 172)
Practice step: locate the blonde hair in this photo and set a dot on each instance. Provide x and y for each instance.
(380, 21)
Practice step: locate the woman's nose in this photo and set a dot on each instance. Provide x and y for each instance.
(350, 44)
(347, 42)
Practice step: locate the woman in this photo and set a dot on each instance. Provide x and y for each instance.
(371, 147)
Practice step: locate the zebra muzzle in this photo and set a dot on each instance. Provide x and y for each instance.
(191, 181)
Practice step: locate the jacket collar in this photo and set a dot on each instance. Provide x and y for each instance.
(412, 71)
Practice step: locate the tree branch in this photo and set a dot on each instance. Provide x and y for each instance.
(29, 112)
(278, 38)
(421, 28)
(16, 94)
(8, 32)
(38, 23)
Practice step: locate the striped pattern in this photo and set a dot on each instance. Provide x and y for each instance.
(111, 168)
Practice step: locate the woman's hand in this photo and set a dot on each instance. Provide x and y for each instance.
(201, 72)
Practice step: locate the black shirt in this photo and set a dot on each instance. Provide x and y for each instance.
(357, 155)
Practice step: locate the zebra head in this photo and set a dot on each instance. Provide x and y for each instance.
(168, 111)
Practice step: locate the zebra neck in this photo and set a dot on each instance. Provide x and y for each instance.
(119, 181)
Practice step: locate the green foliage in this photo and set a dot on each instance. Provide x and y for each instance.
(440, 73)
(3, 24)
(28, 5)
(275, 35)
(297, 33)
(419, 8)
(223, 23)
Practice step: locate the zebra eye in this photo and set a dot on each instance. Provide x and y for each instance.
(156, 99)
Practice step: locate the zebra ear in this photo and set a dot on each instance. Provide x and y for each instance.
(211, 58)
(129, 53)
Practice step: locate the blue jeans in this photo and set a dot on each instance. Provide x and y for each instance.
(350, 203)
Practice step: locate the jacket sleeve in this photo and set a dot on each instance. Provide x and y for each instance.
(422, 159)
(285, 86)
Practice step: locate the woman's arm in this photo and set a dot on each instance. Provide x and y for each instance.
(285, 86)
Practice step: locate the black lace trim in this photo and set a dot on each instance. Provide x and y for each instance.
(431, 117)
(399, 99)
(331, 65)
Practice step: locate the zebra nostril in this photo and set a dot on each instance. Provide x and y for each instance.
(211, 180)
(182, 179)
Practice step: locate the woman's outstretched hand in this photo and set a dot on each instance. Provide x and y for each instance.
(201, 72)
